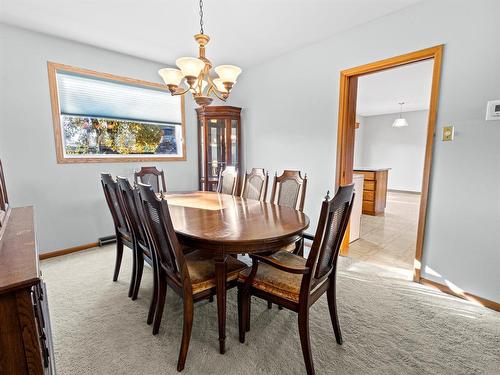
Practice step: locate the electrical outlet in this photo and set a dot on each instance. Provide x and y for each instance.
(448, 133)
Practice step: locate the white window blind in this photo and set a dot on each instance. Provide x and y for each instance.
(86, 96)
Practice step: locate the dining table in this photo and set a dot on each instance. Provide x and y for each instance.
(227, 225)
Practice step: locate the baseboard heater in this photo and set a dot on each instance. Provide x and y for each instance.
(106, 240)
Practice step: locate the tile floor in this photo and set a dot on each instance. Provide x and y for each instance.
(389, 240)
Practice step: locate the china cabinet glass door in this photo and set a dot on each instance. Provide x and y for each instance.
(216, 147)
(218, 141)
(234, 146)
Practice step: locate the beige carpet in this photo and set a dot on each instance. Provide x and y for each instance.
(390, 326)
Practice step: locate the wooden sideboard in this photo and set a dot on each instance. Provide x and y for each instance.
(374, 190)
(25, 334)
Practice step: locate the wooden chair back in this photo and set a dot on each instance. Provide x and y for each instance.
(289, 189)
(152, 176)
(330, 232)
(228, 181)
(255, 184)
(130, 204)
(163, 238)
(115, 207)
(4, 199)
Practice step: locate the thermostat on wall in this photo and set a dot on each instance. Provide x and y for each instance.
(493, 110)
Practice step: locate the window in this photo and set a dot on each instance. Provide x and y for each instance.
(100, 117)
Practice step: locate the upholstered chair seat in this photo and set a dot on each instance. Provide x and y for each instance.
(290, 248)
(280, 283)
(201, 268)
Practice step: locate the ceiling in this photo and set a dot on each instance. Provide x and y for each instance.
(244, 32)
(380, 93)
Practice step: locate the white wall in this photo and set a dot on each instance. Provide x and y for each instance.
(68, 198)
(401, 149)
(359, 137)
(291, 114)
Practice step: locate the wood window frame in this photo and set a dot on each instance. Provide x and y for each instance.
(53, 68)
(346, 129)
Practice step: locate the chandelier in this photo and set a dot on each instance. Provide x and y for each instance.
(194, 74)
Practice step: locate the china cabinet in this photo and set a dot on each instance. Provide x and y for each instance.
(219, 141)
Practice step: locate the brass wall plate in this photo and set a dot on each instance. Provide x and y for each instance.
(448, 133)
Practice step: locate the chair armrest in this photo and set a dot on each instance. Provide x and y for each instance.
(281, 266)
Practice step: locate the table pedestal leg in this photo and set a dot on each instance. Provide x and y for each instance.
(220, 275)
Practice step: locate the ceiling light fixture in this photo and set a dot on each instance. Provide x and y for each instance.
(195, 72)
(400, 122)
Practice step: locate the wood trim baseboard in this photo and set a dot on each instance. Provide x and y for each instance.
(464, 295)
(69, 250)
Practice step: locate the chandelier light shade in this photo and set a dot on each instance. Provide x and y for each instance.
(194, 74)
(228, 73)
(219, 85)
(171, 76)
(400, 122)
(190, 66)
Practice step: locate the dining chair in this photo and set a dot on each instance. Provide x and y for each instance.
(297, 283)
(228, 181)
(4, 200)
(191, 275)
(122, 230)
(152, 176)
(255, 184)
(141, 246)
(289, 189)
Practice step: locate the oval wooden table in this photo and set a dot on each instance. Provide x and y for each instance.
(225, 225)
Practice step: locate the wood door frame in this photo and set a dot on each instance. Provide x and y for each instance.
(347, 119)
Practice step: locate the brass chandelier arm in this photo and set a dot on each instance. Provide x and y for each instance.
(214, 89)
(181, 92)
(216, 93)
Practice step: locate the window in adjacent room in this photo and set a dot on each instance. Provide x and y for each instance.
(104, 118)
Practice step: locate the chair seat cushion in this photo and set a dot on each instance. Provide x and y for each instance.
(201, 267)
(274, 281)
(289, 248)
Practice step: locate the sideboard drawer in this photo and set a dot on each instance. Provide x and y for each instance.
(369, 185)
(369, 175)
(368, 207)
(368, 195)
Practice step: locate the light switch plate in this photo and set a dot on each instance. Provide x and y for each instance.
(448, 133)
(493, 110)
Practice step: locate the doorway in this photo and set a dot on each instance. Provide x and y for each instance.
(347, 124)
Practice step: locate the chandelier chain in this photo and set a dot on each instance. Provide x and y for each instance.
(201, 16)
